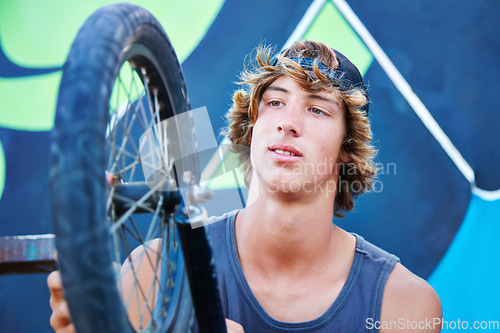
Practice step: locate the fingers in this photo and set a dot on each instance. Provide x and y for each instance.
(60, 320)
(55, 286)
(67, 329)
(233, 327)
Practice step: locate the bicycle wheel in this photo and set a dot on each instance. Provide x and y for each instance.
(121, 79)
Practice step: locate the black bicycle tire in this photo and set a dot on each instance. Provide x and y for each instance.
(77, 185)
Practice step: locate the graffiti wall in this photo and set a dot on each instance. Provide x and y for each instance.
(432, 70)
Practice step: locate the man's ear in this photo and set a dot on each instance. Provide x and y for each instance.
(344, 156)
(343, 159)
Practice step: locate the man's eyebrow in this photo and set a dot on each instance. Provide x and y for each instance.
(310, 96)
(277, 88)
(323, 98)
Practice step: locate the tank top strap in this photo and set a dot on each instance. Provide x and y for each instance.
(379, 264)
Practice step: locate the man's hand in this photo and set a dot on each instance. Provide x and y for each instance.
(60, 319)
(233, 327)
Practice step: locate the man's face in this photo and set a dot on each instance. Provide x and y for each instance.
(297, 138)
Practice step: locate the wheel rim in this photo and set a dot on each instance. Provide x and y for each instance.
(135, 109)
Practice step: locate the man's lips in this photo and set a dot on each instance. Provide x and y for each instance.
(285, 153)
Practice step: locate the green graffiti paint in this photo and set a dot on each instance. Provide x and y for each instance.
(126, 88)
(29, 103)
(224, 179)
(186, 22)
(331, 28)
(39, 33)
(35, 34)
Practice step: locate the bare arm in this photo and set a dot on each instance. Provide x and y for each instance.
(410, 304)
(60, 320)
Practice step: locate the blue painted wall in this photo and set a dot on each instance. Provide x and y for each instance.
(424, 211)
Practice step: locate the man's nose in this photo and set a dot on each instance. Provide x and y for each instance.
(291, 121)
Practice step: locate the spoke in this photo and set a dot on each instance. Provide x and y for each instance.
(156, 287)
(136, 235)
(124, 152)
(110, 200)
(137, 287)
(131, 166)
(124, 142)
(157, 265)
(138, 115)
(148, 93)
(153, 223)
(130, 116)
(156, 283)
(136, 204)
(123, 118)
(112, 122)
(163, 135)
(140, 103)
(123, 107)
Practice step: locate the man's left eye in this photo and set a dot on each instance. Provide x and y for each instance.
(316, 111)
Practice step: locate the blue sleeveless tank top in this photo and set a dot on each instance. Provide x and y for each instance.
(356, 308)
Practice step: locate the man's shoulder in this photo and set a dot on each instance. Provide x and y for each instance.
(376, 253)
(410, 302)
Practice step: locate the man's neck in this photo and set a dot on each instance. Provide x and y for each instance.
(285, 236)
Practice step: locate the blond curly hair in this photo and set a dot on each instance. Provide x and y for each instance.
(356, 176)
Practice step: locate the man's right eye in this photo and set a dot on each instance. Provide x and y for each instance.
(274, 103)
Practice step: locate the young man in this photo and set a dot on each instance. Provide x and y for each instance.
(283, 266)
